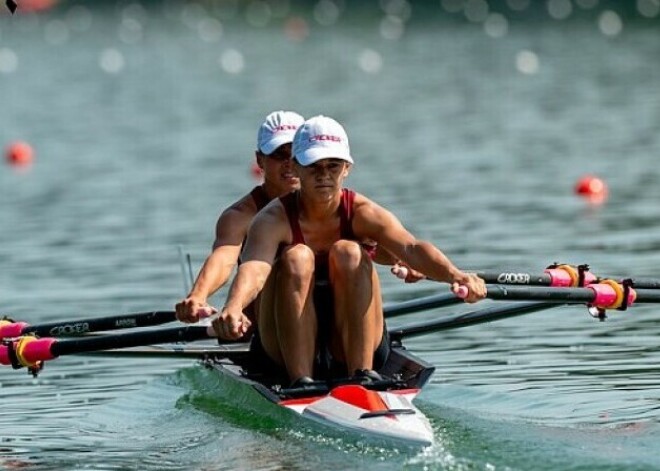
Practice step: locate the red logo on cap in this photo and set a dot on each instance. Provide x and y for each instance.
(325, 137)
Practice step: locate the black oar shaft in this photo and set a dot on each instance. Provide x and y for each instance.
(30, 351)
(470, 318)
(131, 339)
(420, 304)
(83, 326)
(560, 295)
(644, 283)
(526, 293)
(545, 279)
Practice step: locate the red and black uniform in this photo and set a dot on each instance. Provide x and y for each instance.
(290, 203)
(323, 295)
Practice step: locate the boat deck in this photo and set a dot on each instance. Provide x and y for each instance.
(403, 370)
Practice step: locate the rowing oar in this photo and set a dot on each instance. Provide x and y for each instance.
(478, 316)
(560, 276)
(31, 352)
(603, 295)
(10, 329)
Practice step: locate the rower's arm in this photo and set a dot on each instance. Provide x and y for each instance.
(231, 229)
(384, 257)
(379, 224)
(267, 231)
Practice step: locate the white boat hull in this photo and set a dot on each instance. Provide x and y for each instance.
(387, 415)
(376, 412)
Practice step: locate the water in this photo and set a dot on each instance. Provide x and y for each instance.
(143, 120)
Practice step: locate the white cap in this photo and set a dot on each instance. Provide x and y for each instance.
(278, 128)
(320, 138)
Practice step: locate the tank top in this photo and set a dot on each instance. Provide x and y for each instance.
(290, 203)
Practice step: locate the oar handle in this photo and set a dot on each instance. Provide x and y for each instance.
(462, 292)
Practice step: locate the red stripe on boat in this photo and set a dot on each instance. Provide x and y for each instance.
(359, 397)
(349, 398)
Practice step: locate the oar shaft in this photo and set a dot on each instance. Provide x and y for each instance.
(551, 295)
(127, 321)
(599, 294)
(557, 278)
(148, 319)
(83, 326)
(641, 283)
(470, 318)
(420, 304)
(132, 339)
(26, 350)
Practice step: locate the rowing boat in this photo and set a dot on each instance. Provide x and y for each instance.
(378, 411)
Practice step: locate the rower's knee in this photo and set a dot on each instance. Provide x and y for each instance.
(296, 263)
(347, 256)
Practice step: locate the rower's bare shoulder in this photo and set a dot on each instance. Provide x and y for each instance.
(272, 213)
(244, 206)
(365, 208)
(240, 211)
(232, 225)
(372, 221)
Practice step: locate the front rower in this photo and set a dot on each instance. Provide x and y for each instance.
(327, 315)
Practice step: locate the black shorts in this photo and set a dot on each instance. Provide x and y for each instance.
(324, 368)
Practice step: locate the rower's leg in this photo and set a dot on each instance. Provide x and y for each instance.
(288, 329)
(358, 314)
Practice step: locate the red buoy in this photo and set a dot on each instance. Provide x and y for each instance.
(591, 188)
(19, 154)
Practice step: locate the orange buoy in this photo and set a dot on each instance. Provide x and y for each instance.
(19, 154)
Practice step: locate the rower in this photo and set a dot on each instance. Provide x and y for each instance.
(273, 156)
(326, 300)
